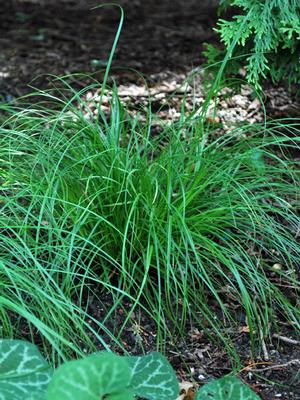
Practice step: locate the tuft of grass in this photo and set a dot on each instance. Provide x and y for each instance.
(186, 224)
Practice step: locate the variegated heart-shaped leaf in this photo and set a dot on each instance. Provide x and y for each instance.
(152, 377)
(98, 376)
(226, 388)
(24, 374)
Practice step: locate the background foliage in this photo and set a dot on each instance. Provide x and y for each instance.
(267, 36)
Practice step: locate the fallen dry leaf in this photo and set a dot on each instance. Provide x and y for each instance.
(244, 329)
(186, 390)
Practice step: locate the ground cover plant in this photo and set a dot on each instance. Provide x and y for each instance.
(183, 224)
(267, 35)
(102, 375)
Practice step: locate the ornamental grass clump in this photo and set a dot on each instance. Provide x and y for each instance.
(185, 225)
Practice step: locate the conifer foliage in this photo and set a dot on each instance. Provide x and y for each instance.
(267, 33)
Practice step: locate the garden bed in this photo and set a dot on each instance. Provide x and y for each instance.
(163, 42)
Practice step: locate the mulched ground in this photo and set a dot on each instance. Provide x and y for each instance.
(59, 37)
(162, 40)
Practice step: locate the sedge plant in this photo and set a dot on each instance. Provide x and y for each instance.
(184, 225)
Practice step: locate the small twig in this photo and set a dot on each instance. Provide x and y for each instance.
(250, 366)
(286, 339)
(277, 366)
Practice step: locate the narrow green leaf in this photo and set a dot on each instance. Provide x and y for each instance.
(24, 374)
(226, 388)
(152, 377)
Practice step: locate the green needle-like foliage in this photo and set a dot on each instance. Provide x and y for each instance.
(185, 224)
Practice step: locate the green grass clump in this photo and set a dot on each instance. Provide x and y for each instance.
(185, 224)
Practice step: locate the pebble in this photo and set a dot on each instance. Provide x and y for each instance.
(170, 89)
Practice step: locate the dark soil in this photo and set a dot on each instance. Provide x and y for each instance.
(58, 37)
(158, 38)
(197, 357)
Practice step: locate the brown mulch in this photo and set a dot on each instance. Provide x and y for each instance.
(163, 41)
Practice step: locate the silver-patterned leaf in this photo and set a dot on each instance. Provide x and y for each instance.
(225, 389)
(24, 374)
(152, 377)
(92, 378)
